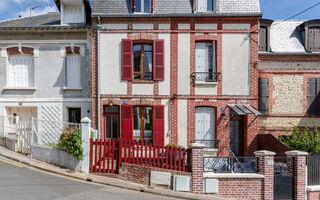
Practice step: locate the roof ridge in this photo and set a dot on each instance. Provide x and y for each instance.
(19, 18)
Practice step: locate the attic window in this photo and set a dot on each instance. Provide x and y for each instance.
(314, 39)
(142, 6)
(264, 34)
(205, 5)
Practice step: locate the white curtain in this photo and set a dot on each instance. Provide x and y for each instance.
(205, 123)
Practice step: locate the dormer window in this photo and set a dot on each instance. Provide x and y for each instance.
(205, 5)
(72, 12)
(310, 32)
(264, 34)
(142, 6)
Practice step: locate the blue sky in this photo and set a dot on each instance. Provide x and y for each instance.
(273, 9)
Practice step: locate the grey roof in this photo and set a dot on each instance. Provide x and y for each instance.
(120, 8)
(40, 22)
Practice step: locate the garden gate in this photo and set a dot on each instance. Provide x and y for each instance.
(283, 178)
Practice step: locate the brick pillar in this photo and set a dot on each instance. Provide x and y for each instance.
(300, 173)
(197, 167)
(266, 167)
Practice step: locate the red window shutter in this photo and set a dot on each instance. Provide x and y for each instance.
(158, 60)
(127, 122)
(127, 59)
(158, 125)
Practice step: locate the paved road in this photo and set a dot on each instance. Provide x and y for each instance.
(18, 182)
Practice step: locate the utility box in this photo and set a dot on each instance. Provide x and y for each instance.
(160, 178)
(211, 185)
(181, 183)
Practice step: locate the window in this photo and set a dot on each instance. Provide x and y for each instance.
(263, 38)
(206, 61)
(142, 124)
(314, 96)
(205, 126)
(263, 93)
(314, 39)
(142, 61)
(21, 71)
(75, 115)
(206, 5)
(142, 6)
(73, 71)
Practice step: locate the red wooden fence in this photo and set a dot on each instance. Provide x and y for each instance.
(107, 156)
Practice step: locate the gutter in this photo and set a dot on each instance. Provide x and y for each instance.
(98, 79)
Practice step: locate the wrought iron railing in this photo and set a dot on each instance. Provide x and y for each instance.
(206, 76)
(208, 143)
(231, 164)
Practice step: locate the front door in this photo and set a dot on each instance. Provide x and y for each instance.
(111, 122)
(236, 135)
(205, 126)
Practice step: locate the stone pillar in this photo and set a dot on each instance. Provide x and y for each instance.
(197, 167)
(85, 136)
(300, 173)
(266, 167)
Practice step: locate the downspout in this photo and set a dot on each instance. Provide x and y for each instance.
(98, 79)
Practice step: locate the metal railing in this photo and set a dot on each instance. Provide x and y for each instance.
(206, 76)
(231, 164)
(208, 143)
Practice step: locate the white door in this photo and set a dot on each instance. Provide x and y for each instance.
(205, 123)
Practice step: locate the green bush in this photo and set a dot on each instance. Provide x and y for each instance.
(303, 139)
(70, 140)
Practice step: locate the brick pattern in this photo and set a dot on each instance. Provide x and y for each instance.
(268, 171)
(241, 188)
(197, 170)
(141, 174)
(300, 171)
(314, 195)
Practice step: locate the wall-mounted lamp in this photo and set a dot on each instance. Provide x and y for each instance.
(110, 103)
(223, 114)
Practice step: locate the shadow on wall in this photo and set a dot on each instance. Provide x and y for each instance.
(270, 143)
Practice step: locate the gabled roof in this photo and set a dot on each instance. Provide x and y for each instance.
(121, 8)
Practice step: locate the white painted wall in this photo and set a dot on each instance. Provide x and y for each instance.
(208, 89)
(235, 64)
(184, 63)
(182, 122)
(235, 26)
(110, 64)
(166, 103)
(164, 86)
(142, 89)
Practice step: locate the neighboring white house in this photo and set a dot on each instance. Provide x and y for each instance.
(45, 66)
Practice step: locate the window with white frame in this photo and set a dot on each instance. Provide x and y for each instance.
(206, 5)
(21, 71)
(142, 6)
(206, 61)
(73, 71)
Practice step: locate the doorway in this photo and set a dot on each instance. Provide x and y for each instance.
(237, 135)
(111, 122)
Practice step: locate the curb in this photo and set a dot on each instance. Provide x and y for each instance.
(133, 187)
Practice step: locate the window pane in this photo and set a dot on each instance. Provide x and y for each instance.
(137, 64)
(114, 127)
(108, 126)
(147, 47)
(210, 57)
(111, 109)
(147, 6)
(147, 66)
(210, 5)
(137, 47)
(138, 5)
(148, 124)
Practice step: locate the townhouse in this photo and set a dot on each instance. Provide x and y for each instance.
(45, 63)
(289, 83)
(173, 72)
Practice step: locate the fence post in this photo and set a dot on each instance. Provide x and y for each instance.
(197, 167)
(266, 166)
(300, 173)
(85, 135)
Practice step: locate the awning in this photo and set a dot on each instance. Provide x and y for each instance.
(240, 109)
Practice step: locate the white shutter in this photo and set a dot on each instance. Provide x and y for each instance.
(205, 123)
(21, 71)
(73, 71)
(201, 58)
(202, 5)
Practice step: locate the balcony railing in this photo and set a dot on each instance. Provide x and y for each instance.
(208, 143)
(230, 164)
(205, 76)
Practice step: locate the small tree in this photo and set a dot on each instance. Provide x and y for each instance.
(70, 140)
(303, 139)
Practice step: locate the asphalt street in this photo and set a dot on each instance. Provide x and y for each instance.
(19, 182)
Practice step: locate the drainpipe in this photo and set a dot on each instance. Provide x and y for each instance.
(98, 80)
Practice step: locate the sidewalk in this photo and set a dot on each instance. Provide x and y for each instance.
(101, 179)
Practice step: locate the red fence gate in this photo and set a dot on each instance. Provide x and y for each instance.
(107, 156)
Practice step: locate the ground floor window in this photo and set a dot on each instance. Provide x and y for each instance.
(142, 123)
(205, 123)
(74, 115)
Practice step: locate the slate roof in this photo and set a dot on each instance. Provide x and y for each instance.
(39, 22)
(121, 8)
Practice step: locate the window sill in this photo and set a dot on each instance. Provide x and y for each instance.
(20, 88)
(71, 89)
(143, 81)
(205, 83)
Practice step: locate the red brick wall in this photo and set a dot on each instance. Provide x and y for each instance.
(241, 188)
(141, 174)
(314, 195)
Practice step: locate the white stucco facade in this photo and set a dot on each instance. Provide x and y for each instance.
(183, 63)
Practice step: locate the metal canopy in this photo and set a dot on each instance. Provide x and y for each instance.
(244, 109)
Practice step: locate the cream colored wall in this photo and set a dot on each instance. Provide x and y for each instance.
(182, 122)
(208, 89)
(287, 122)
(166, 103)
(110, 64)
(184, 63)
(235, 64)
(164, 86)
(142, 89)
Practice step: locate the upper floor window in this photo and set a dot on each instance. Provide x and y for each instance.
(314, 39)
(142, 6)
(205, 5)
(73, 67)
(264, 34)
(21, 71)
(206, 61)
(142, 60)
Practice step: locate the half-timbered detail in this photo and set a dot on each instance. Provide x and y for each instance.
(172, 68)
